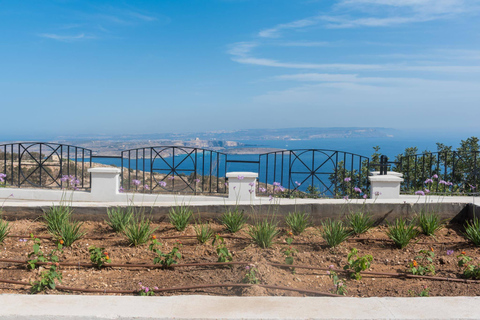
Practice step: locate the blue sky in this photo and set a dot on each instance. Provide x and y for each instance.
(112, 67)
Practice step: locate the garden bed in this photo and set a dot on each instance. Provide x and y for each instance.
(312, 251)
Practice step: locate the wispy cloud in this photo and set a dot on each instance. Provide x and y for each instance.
(275, 31)
(65, 38)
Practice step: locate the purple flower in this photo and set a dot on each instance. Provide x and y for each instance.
(472, 187)
(252, 184)
(121, 190)
(197, 180)
(226, 184)
(162, 184)
(347, 179)
(435, 176)
(377, 193)
(240, 177)
(234, 187)
(428, 181)
(328, 272)
(270, 198)
(331, 266)
(356, 189)
(345, 198)
(276, 184)
(442, 182)
(251, 191)
(64, 178)
(146, 289)
(11, 195)
(171, 178)
(449, 183)
(263, 190)
(146, 187)
(449, 252)
(136, 182)
(298, 183)
(156, 288)
(364, 196)
(427, 191)
(247, 268)
(23, 240)
(420, 193)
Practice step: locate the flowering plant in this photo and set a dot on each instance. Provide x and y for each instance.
(423, 263)
(165, 259)
(251, 275)
(99, 256)
(339, 285)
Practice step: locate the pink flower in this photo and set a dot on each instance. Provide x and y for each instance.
(263, 190)
(197, 180)
(364, 196)
(162, 184)
(435, 176)
(356, 189)
(136, 182)
(347, 179)
(240, 177)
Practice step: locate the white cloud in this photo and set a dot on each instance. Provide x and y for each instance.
(65, 38)
(275, 31)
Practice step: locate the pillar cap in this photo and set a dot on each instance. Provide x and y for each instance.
(104, 170)
(243, 174)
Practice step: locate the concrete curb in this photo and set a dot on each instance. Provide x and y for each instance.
(68, 307)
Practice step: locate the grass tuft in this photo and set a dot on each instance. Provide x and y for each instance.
(298, 221)
(233, 220)
(334, 232)
(402, 232)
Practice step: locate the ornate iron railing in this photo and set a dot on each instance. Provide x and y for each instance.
(41, 164)
(174, 169)
(460, 171)
(318, 172)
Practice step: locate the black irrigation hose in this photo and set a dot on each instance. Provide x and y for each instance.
(154, 266)
(204, 286)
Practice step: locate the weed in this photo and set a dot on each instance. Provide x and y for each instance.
(470, 270)
(298, 221)
(423, 263)
(165, 259)
(99, 256)
(289, 252)
(402, 232)
(334, 232)
(233, 220)
(251, 275)
(224, 255)
(357, 264)
(339, 285)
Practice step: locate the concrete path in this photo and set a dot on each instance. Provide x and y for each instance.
(168, 201)
(70, 307)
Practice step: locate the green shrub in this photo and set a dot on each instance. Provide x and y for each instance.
(138, 231)
(298, 221)
(429, 223)
(119, 218)
(472, 231)
(4, 229)
(334, 232)
(263, 232)
(203, 231)
(70, 232)
(56, 217)
(402, 232)
(233, 220)
(180, 216)
(359, 222)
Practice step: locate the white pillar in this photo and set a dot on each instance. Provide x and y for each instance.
(385, 186)
(105, 184)
(242, 186)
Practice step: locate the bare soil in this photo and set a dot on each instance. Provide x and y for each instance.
(313, 252)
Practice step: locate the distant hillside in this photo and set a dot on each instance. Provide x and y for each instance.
(251, 134)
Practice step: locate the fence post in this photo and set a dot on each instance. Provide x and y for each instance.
(105, 183)
(241, 186)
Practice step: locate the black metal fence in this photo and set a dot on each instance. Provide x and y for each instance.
(174, 169)
(177, 169)
(315, 172)
(458, 172)
(39, 164)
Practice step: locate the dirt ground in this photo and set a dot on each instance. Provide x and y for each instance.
(313, 252)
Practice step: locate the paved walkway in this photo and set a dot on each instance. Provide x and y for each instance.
(168, 200)
(71, 307)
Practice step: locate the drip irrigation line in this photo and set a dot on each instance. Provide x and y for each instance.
(205, 264)
(203, 286)
(128, 265)
(245, 239)
(388, 274)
